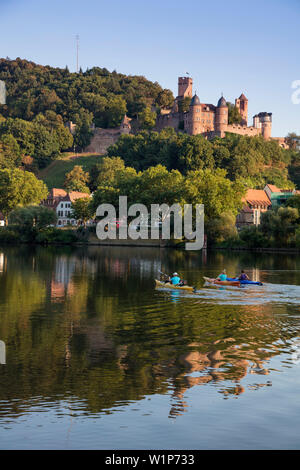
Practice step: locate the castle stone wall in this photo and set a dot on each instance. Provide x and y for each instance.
(102, 139)
(243, 130)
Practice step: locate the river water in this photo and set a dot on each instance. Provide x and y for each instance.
(97, 358)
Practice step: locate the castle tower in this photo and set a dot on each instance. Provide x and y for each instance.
(221, 117)
(256, 122)
(185, 87)
(263, 121)
(194, 117)
(125, 126)
(266, 125)
(242, 105)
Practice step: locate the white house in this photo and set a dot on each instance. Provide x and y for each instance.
(61, 201)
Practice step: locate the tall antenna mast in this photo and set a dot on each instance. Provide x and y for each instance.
(77, 52)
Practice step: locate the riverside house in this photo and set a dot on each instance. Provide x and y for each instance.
(277, 196)
(258, 201)
(61, 201)
(255, 202)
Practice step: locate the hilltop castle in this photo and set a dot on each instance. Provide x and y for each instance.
(196, 118)
(210, 120)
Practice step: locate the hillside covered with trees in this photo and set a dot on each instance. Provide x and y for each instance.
(253, 159)
(147, 166)
(33, 89)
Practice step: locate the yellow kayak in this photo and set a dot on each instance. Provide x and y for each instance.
(168, 285)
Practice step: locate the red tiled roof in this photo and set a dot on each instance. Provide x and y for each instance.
(274, 188)
(57, 195)
(257, 197)
(73, 195)
(57, 192)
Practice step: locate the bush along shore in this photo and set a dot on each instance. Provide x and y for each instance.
(15, 234)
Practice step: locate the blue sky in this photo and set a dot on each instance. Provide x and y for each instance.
(227, 46)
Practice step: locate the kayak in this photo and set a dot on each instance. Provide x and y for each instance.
(168, 285)
(222, 283)
(254, 283)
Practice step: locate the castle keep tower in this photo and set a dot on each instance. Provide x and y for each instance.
(264, 122)
(185, 87)
(194, 118)
(242, 105)
(221, 117)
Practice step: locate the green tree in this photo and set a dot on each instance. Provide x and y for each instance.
(157, 185)
(165, 98)
(184, 105)
(234, 116)
(104, 173)
(77, 180)
(54, 124)
(83, 132)
(115, 111)
(294, 201)
(147, 118)
(10, 155)
(195, 153)
(221, 228)
(33, 216)
(82, 210)
(19, 188)
(253, 237)
(214, 190)
(280, 225)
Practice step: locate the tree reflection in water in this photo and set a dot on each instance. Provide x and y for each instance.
(87, 325)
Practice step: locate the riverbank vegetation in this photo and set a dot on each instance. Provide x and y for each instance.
(279, 228)
(146, 166)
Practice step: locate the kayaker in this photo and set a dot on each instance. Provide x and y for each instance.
(243, 276)
(175, 279)
(222, 276)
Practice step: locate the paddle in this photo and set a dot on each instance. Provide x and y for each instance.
(164, 274)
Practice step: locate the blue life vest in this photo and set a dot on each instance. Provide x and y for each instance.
(175, 280)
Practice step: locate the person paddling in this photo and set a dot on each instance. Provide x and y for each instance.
(222, 276)
(243, 276)
(175, 279)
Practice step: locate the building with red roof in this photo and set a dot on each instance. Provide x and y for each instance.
(256, 201)
(61, 201)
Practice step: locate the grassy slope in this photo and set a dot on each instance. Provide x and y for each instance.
(54, 174)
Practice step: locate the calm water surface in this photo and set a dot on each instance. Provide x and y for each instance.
(96, 358)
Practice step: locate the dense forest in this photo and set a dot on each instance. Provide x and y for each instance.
(33, 89)
(253, 159)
